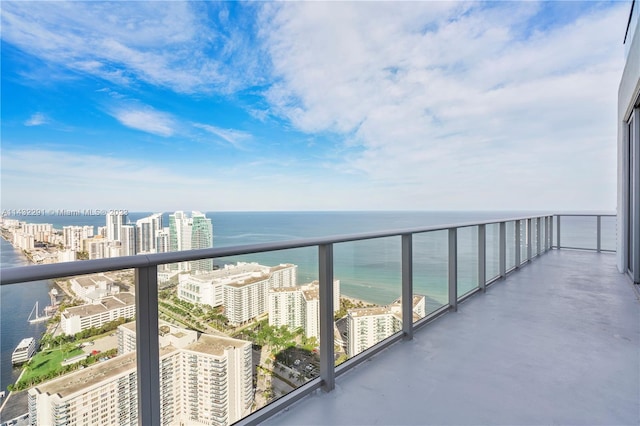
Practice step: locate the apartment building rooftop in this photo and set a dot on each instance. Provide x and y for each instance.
(91, 280)
(89, 376)
(106, 304)
(363, 312)
(281, 267)
(215, 345)
(285, 289)
(311, 294)
(245, 281)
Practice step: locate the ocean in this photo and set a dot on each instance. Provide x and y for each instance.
(368, 270)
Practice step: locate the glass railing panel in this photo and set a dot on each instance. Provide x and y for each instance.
(524, 240)
(430, 269)
(608, 233)
(467, 259)
(249, 331)
(543, 227)
(493, 251)
(73, 362)
(510, 244)
(578, 232)
(534, 237)
(370, 274)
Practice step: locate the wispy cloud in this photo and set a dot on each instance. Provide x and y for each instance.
(130, 183)
(417, 104)
(146, 119)
(37, 119)
(168, 44)
(453, 92)
(110, 182)
(232, 136)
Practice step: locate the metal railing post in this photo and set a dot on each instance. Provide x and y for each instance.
(529, 242)
(327, 365)
(538, 236)
(558, 233)
(503, 250)
(482, 257)
(407, 286)
(147, 346)
(599, 232)
(517, 232)
(546, 233)
(550, 232)
(453, 269)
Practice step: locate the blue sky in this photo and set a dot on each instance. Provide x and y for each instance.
(310, 106)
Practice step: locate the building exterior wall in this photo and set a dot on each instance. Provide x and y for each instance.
(114, 221)
(365, 329)
(201, 289)
(243, 302)
(72, 323)
(628, 98)
(285, 275)
(287, 307)
(198, 386)
(201, 238)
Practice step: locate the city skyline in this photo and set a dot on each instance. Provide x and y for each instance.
(310, 106)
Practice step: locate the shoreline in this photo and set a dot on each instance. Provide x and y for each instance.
(356, 301)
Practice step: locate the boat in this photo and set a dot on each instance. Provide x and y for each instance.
(24, 351)
(37, 318)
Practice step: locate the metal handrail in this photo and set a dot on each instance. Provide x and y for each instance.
(598, 216)
(146, 290)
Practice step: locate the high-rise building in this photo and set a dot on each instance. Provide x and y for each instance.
(128, 240)
(179, 231)
(147, 230)
(368, 326)
(40, 231)
(73, 236)
(96, 247)
(299, 307)
(115, 220)
(201, 238)
(163, 240)
(187, 233)
(203, 381)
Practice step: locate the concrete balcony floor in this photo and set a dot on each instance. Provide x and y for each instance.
(557, 342)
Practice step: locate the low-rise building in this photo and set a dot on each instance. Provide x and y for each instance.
(73, 320)
(93, 288)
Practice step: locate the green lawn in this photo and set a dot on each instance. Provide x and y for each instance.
(45, 362)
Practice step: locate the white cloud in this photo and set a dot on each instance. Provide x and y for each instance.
(37, 119)
(76, 180)
(146, 119)
(434, 104)
(453, 98)
(234, 137)
(169, 44)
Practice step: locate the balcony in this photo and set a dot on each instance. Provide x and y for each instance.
(555, 343)
(550, 336)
